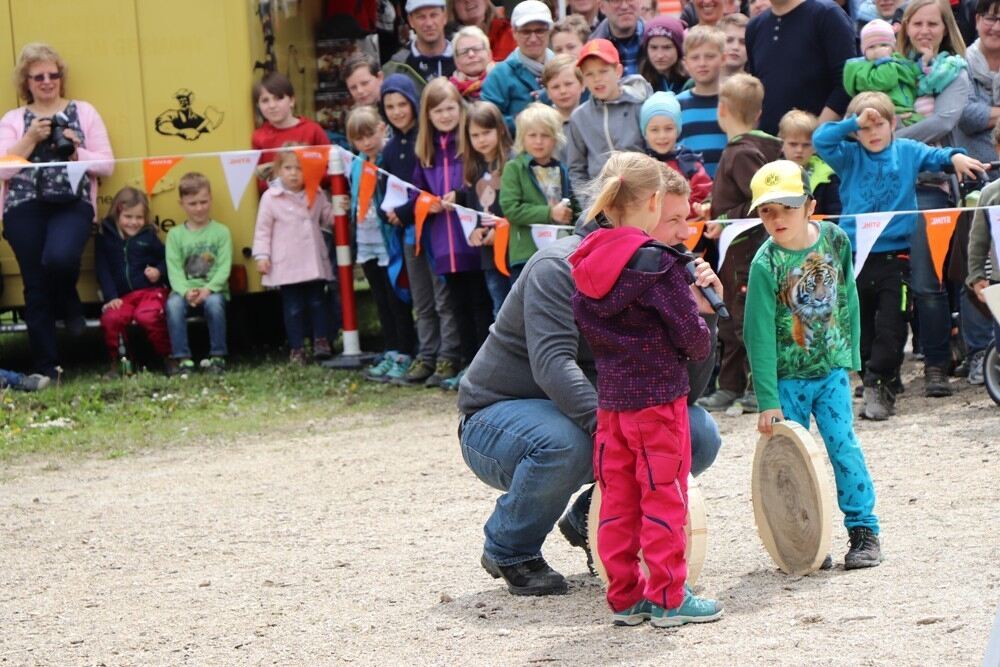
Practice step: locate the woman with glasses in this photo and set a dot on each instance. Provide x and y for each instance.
(47, 212)
(517, 81)
(483, 15)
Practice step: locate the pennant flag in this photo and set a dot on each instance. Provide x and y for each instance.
(396, 195)
(940, 227)
(239, 169)
(424, 201)
(994, 218)
(468, 219)
(501, 239)
(155, 168)
(546, 235)
(346, 159)
(732, 229)
(369, 177)
(314, 163)
(75, 172)
(868, 227)
(695, 230)
(12, 160)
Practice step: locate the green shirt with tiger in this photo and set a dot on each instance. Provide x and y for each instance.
(802, 316)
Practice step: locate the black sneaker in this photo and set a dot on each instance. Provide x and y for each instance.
(879, 402)
(827, 563)
(936, 382)
(865, 550)
(533, 577)
(577, 539)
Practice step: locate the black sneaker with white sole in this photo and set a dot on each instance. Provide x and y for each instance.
(532, 577)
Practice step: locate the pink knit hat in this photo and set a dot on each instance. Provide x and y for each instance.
(876, 32)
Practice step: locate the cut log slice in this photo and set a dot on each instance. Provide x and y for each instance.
(696, 529)
(792, 498)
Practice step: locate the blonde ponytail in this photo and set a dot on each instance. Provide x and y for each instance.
(626, 179)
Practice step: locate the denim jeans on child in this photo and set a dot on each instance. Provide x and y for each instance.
(214, 310)
(539, 457)
(977, 328)
(10, 379)
(304, 307)
(930, 296)
(828, 399)
(499, 287)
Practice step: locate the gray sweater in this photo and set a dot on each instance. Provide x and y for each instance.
(981, 246)
(535, 350)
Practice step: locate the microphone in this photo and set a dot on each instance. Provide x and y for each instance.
(708, 292)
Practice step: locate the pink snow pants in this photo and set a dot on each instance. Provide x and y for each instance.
(641, 460)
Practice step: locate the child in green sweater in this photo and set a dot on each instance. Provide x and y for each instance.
(802, 332)
(199, 258)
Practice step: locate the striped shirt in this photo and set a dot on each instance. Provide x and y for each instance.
(700, 131)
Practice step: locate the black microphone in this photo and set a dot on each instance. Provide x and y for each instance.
(708, 292)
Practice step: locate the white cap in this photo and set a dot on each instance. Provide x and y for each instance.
(414, 5)
(530, 11)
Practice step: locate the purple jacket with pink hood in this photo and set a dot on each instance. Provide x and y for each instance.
(635, 309)
(442, 232)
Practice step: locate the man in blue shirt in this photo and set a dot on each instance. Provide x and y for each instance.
(624, 29)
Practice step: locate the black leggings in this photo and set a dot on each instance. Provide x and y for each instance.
(473, 308)
(394, 315)
(882, 296)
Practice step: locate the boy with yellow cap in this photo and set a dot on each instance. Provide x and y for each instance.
(802, 332)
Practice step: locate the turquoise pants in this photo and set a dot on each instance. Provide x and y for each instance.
(829, 400)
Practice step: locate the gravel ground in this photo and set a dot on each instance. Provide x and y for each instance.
(356, 541)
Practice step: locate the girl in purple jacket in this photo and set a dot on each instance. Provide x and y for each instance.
(641, 319)
(439, 171)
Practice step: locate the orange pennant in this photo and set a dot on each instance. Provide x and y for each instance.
(369, 176)
(313, 162)
(12, 160)
(695, 230)
(817, 217)
(155, 168)
(420, 210)
(940, 227)
(501, 239)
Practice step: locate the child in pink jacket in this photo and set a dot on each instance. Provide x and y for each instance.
(291, 255)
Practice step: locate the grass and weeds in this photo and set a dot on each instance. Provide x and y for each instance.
(90, 415)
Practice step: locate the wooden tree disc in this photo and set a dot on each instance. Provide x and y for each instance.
(792, 498)
(992, 296)
(695, 527)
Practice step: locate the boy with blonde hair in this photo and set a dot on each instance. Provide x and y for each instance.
(878, 173)
(795, 129)
(703, 57)
(199, 259)
(747, 150)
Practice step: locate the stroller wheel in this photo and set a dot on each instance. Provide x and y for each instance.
(991, 372)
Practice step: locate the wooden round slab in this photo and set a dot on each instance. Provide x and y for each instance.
(792, 498)
(696, 529)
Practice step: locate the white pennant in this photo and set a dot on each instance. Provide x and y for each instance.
(75, 172)
(396, 195)
(731, 230)
(239, 170)
(467, 218)
(867, 228)
(546, 235)
(994, 218)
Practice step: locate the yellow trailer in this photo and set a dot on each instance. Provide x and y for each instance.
(168, 78)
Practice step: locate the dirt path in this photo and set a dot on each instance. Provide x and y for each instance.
(357, 541)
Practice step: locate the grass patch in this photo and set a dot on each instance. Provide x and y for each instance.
(87, 414)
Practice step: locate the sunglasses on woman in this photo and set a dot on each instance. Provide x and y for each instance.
(51, 76)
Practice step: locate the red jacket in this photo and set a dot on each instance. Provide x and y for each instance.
(305, 133)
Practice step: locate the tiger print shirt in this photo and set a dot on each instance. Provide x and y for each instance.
(802, 317)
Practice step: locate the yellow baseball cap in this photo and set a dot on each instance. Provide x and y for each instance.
(780, 182)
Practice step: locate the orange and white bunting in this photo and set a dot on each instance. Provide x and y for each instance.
(695, 229)
(501, 239)
(868, 227)
(420, 210)
(155, 168)
(733, 229)
(313, 161)
(239, 170)
(940, 227)
(366, 188)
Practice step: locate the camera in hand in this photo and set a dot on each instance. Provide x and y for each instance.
(61, 145)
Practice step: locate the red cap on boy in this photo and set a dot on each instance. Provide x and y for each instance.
(601, 48)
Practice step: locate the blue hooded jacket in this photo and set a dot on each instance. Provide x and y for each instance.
(511, 87)
(399, 154)
(120, 264)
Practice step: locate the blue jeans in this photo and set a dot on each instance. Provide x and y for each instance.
(977, 329)
(304, 304)
(539, 457)
(48, 241)
(828, 399)
(929, 295)
(10, 379)
(214, 310)
(498, 286)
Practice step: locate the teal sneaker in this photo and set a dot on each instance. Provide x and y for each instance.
(451, 384)
(400, 365)
(378, 371)
(693, 610)
(634, 615)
